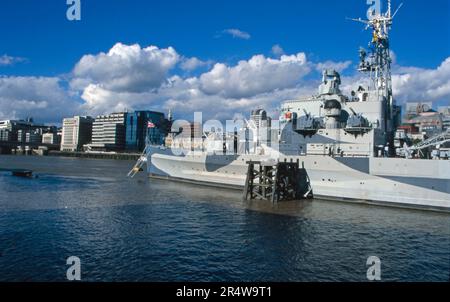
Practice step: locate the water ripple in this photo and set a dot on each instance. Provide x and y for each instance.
(136, 230)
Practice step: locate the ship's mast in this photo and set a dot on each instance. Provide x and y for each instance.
(377, 64)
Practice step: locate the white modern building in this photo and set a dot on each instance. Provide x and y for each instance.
(108, 133)
(76, 132)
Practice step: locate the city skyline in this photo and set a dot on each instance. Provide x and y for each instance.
(223, 59)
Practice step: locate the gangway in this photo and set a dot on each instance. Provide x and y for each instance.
(140, 163)
(440, 139)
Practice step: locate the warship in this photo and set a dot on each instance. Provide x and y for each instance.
(344, 143)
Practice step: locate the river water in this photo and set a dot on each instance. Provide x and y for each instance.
(147, 230)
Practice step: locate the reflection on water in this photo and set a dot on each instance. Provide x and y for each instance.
(141, 230)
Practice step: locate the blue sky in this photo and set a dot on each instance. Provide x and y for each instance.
(39, 30)
(46, 44)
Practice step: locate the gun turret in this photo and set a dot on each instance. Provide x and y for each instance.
(357, 123)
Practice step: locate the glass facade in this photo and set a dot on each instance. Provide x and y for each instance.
(137, 129)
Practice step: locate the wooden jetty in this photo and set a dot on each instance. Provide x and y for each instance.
(277, 181)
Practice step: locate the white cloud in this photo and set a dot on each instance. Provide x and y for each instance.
(6, 60)
(255, 76)
(185, 97)
(237, 33)
(393, 57)
(415, 84)
(133, 77)
(190, 64)
(42, 98)
(126, 68)
(338, 66)
(277, 50)
(220, 93)
(98, 100)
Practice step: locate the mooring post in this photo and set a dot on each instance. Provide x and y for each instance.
(248, 181)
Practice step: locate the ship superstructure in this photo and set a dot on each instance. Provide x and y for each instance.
(345, 143)
(362, 124)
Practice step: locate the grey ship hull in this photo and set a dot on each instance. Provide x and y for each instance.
(423, 184)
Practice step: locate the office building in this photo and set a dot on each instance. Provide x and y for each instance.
(260, 118)
(5, 135)
(108, 133)
(141, 124)
(18, 129)
(33, 137)
(51, 139)
(76, 132)
(30, 137)
(445, 112)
